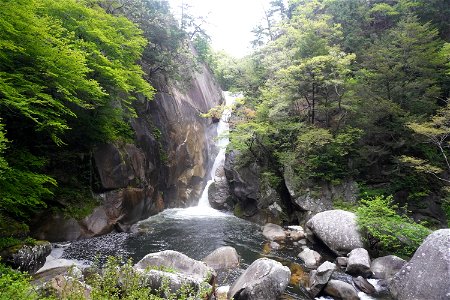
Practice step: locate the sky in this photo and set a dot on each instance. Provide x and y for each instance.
(230, 21)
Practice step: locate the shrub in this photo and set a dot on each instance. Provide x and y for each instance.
(390, 231)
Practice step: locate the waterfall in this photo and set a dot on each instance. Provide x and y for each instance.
(222, 142)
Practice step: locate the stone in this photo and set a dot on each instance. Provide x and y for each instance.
(274, 246)
(222, 292)
(219, 191)
(27, 258)
(342, 261)
(427, 274)
(319, 278)
(310, 257)
(386, 267)
(263, 279)
(274, 232)
(222, 258)
(62, 285)
(341, 290)
(296, 233)
(337, 229)
(178, 262)
(359, 263)
(98, 223)
(57, 228)
(363, 285)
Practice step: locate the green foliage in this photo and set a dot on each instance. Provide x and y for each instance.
(393, 233)
(16, 285)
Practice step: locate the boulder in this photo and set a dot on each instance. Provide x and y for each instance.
(341, 290)
(219, 191)
(222, 258)
(337, 229)
(264, 279)
(179, 263)
(363, 285)
(296, 233)
(359, 263)
(310, 257)
(427, 274)
(386, 267)
(27, 258)
(274, 232)
(319, 278)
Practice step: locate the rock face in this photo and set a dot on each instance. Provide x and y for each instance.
(359, 263)
(341, 290)
(264, 279)
(253, 199)
(222, 258)
(219, 191)
(164, 166)
(337, 229)
(27, 258)
(427, 274)
(387, 266)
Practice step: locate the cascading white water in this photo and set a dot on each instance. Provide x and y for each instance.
(223, 140)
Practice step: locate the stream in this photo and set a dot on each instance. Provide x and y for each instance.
(196, 232)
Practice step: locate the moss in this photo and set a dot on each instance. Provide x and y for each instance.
(238, 212)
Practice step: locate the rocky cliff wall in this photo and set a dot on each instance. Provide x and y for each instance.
(166, 166)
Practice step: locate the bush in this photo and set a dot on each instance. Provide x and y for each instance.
(389, 231)
(16, 285)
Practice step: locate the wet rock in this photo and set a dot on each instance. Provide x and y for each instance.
(219, 191)
(27, 258)
(178, 262)
(274, 246)
(363, 285)
(341, 290)
(222, 258)
(387, 266)
(274, 232)
(342, 261)
(296, 233)
(359, 263)
(337, 229)
(341, 276)
(320, 277)
(426, 275)
(264, 279)
(310, 257)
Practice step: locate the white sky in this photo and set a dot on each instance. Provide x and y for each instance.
(230, 21)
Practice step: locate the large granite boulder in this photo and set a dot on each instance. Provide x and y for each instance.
(427, 274)
(219, 191)
(359, 263)
(387, 266)
(264, 279)
(337, 229)
(27, 258)
(223, 258)
(179, 263)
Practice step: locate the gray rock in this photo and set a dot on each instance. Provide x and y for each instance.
(387, 266)
(427, 274)
(341, 290)
(274, 246)
(337, 229)
(219, 191)
(274, 232)
(359, 263)
(363, 285)
(296, 233)
(319, 278)
(180, 263)
(342, 261)
(310, 257)
(264, 279)
(222, 258)
(27, 258)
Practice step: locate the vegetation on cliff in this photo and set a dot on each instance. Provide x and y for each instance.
(350, 89)
(70, 73)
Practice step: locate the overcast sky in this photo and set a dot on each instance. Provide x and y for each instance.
(230, 21)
